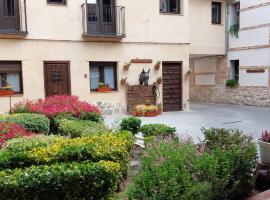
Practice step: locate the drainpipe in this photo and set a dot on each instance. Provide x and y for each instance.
(226, 28)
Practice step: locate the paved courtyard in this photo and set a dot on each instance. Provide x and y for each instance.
(250, 119)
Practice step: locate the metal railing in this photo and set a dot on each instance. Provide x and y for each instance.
(103, 20)
(16, 20)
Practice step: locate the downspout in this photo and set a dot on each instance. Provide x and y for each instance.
(226, 28)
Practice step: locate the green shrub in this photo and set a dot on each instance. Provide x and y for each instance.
(131, 124)
(80, 128)
(157, 130)
(84, 180)
(236, 154)
(15, 153)
(221, 168)
(166, 174)
(92, 116)
(232, 83)
(32, 122)
(95, 148)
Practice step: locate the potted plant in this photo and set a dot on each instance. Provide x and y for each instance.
(6, 91)
(232, 83)
(159, 80)
(102, 87)
(157, 66)
(126, 66)
(151, 111)
(123, 81)
(140, 110)
(264, 146)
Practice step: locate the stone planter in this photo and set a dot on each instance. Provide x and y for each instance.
(6, 92)
(264, 151)
(104, 89)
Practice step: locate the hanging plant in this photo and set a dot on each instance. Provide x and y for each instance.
(159, 80)
(234, 30)
(157, 66)
(123, 81)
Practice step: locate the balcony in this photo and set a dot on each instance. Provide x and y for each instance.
(13, 18)
(103, 22)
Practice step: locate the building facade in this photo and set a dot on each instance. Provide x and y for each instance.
(55, 47)
(247, 59)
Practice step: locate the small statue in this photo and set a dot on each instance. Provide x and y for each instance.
(144, 77)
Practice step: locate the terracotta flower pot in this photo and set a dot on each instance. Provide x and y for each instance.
(159, 81)
(139, 114)
(6, 92)
(104, 89)
(151, 114)
(123, 82)
(126, 67)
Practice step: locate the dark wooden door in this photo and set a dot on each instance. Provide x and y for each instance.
(102, 17)
(57, 78)
(9, 15)
(172, 86)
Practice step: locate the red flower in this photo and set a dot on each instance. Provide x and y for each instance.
(55, 105)
(10, 130)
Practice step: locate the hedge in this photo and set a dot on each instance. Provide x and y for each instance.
(84, 180)
(157, 130)
(132, 124)
(95, 148)
(32, 122)
(80, 128)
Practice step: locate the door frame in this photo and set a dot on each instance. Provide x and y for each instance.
(181, 80)
(45, 77)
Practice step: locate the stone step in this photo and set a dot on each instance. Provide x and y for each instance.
(261, 196)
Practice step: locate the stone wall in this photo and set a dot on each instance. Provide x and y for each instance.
(219, 93)
(257, 96)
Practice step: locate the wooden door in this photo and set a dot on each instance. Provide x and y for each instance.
(101, 17)
(172, 86)
(9, 15)
(57, 78)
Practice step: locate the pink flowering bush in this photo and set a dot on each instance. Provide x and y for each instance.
(9, 131)
(53, 106)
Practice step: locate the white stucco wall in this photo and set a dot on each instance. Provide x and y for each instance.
(33, 53)
(205, 37)
(55, 34)
(254, 79)
(254, 40)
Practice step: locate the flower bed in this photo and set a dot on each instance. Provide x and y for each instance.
(9, 131)
(95, 148)
(53, 106)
